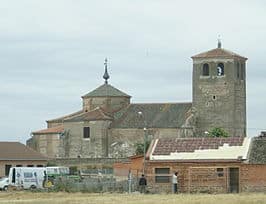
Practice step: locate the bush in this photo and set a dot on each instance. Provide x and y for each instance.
(218, 132)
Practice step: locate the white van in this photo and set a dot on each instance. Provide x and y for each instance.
(4, 182)
(27, 177)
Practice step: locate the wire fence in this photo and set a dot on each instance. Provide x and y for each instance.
(97, 184)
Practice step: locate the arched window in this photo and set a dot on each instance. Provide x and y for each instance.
(220, 69)
(237, 70)
(205, 70)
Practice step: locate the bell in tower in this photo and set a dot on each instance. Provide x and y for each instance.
(219, 91)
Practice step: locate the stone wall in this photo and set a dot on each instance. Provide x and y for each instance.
(46, 144)
(121, 140)
(87, 162)
(220, 101)
(53, 124)
(74, 145)
(108, 103)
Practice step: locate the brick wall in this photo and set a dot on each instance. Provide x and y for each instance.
(205, 178)
(135, 165)
(253, 178)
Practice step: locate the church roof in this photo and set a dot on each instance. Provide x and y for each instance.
(157, 115)
(105, 90)
(57, 129)
(218, 53)
(96, 114)
(60, 119)
(18, 151)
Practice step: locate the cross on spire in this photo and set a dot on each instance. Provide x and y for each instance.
(219, 42)
(106, 75)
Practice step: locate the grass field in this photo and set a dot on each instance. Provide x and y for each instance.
(82, 198)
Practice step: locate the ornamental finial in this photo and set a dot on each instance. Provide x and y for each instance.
(106, 75)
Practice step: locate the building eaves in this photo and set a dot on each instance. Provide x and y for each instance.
(218, 53)
(96, 114)
(106, 90)
(53, 130)
(60, 119)
(198, 161)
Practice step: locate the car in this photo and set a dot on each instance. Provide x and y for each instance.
(4, 182)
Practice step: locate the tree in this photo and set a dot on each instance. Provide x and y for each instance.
(139, 147)
(218, 132)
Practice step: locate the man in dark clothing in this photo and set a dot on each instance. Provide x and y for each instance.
(142, 184)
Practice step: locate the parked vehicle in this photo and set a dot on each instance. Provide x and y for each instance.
(57, 171)
(4, 182)
(27, 177)
(35, 177)
(53, 172)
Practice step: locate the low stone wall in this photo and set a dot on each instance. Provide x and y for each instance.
(87, 161)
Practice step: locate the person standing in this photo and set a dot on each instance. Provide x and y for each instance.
(175, 182)
(142, 184)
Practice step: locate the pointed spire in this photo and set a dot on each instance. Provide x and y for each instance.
(106, 75)
(219, 42)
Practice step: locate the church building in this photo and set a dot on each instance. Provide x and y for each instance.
(109, 125)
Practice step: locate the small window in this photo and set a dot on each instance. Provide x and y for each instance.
(86, 132)
(220, 172)
(220, 69)
(214, 97)
(237, 70)
(242, 73)
(7, 169)
(205, 70)
(28, 175)
(30, 165)
(18, 165)
(162, 175)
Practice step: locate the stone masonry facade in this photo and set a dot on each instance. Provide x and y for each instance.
(109, 125)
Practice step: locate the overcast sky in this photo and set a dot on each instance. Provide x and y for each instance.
(52, 52)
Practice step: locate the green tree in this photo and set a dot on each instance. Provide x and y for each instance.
(218, 132)
(139, 147)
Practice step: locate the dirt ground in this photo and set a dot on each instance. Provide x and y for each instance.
(91, 198)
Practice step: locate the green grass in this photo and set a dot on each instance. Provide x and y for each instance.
(106, 198)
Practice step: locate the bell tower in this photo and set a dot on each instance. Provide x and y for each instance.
(219, 91)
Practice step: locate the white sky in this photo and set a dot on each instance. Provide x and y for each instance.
(52, 52)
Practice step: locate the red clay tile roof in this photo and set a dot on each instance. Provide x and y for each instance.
(218, 53)
(60, 119)
(167, 146)
(18, 151)
(57, 129)
(96, 114)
